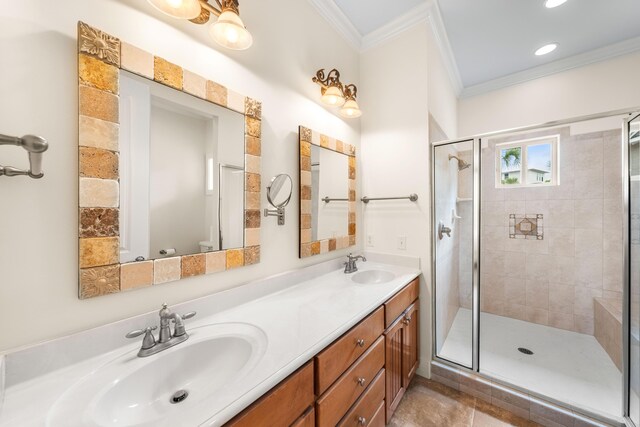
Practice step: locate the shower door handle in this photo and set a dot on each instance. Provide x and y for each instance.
(442, 230)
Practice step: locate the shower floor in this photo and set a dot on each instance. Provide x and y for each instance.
(566, 366)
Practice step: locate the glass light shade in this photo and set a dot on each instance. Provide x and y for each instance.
(229, 31)
(181, 9)
(333, 96)
(350, 109)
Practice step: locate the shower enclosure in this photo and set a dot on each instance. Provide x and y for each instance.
(536, 269)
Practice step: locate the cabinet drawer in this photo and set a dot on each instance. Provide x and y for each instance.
(366, 407)
(336, 358)
(400, 301)
(332, 406)
(307, 420)
(282, 405)
(378, 418)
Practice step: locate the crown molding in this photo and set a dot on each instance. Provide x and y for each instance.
(576, 61)
(398, 25)
(339, 21)
(439, 32)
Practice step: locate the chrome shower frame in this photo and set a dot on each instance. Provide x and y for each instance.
(475, 365)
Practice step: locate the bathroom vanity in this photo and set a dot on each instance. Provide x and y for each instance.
(358, 379)
(314, 346)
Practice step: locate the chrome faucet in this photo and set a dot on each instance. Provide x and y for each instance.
(165, 339)
(350, 266)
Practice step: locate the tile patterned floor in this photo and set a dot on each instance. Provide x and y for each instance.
(427, 403)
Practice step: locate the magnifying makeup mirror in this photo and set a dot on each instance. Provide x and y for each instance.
(279, 194)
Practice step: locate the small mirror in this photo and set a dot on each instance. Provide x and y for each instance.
(279, 190)
(279, 195)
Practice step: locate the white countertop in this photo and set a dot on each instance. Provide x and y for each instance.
(298, 322)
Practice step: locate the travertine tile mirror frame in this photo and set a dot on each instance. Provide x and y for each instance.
(100, 57)
(308, 247)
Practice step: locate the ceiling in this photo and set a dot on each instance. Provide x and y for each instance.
(369, 15)
(489, 44)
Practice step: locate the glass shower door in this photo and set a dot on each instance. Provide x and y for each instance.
(634, 269)
(453, 250)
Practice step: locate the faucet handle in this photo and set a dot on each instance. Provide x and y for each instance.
(148, 341)
(188, 315)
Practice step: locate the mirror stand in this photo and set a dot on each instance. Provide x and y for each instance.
(279, 194)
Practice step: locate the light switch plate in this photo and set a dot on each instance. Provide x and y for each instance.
(402, 243)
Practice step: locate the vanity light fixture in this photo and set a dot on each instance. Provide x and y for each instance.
(335, 94)
(228, 30)
(548, 48)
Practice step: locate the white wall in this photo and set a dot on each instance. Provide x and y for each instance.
(39, 219)
(596, 88)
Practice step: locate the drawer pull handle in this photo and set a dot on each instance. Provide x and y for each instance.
(362, 421)
(407, 320)
(360, 342)
(362, 381)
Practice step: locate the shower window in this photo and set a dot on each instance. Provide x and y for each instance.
(527, 163)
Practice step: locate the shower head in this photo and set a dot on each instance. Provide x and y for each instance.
(462, 165)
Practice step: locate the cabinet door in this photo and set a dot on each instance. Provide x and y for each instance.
(394, 339)
(410, 343)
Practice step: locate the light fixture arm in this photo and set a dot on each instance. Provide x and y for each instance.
(350, 91)
(331, 79)
(208, 9)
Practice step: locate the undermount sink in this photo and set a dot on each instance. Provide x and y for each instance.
(162, 389)
(373, 277)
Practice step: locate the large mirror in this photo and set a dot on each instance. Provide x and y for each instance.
(327, 194)
(169, 166)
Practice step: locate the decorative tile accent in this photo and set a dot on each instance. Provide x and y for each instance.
(252, 219)
(252, 200)
(99, 58)
(253, 108)
(526, 226)
(193, 265)
(98, 44)
(235, 258)
(166, 270)
(307, 137)
(167, 73)
(252, 146)
(252, 164)
(235, 101)
(100, 75)
(217, 94)
(99, 222)
(98, 104)
(136, 60)
(252, 127)
(100, 251)
(98, 163)
(99, 193)
(252, 255)
(216, 261)
(99, 281)
(252, 183)
(98, 133)
(305, 134)
(136, 275)
(195, 84)
(252, 237)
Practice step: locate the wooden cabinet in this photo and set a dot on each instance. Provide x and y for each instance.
(283, 405)
(337, 357)
(401, 345)
(357, 380)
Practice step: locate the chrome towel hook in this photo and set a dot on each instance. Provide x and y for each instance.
(35, 146)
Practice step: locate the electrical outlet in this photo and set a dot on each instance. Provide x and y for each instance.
(370, 240)
(402, 243)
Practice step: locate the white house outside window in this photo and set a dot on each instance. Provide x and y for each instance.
(527, 163)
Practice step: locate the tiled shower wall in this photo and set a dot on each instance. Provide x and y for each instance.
(554, 281)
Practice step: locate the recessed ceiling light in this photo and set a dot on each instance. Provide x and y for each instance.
(546, 49)
(554, 3)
